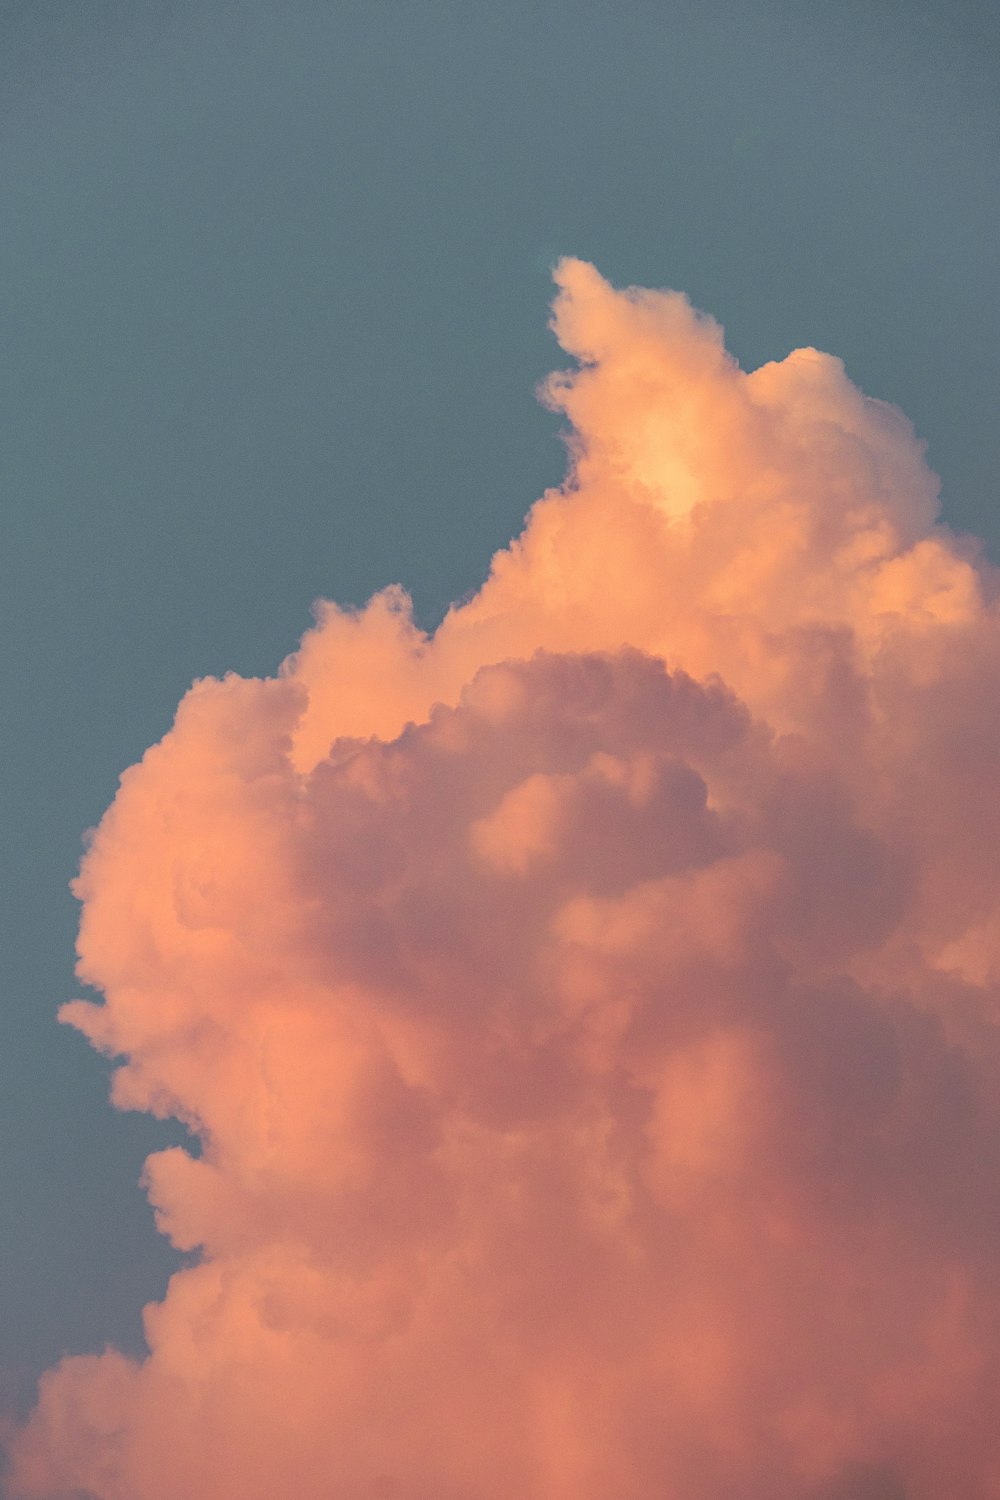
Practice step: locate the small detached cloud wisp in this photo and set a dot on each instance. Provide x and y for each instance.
(588, 1014)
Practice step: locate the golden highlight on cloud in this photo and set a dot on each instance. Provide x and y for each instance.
(587, 1014)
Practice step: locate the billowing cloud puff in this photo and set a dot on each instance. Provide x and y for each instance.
(587, 1015)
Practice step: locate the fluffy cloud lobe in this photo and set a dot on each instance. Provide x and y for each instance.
(586, 1014)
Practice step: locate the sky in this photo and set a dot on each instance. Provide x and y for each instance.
(277, 284)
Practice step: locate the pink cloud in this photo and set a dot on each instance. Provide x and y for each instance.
(586, 1013)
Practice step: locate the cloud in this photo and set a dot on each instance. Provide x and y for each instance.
(587, 1013)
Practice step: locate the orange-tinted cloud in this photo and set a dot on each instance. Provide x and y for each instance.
(588, 1014)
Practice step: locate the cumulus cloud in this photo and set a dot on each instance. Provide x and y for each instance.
(587, 1013)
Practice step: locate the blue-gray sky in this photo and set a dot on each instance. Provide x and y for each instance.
(275, 285)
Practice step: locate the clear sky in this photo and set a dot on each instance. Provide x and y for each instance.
(275, 287)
